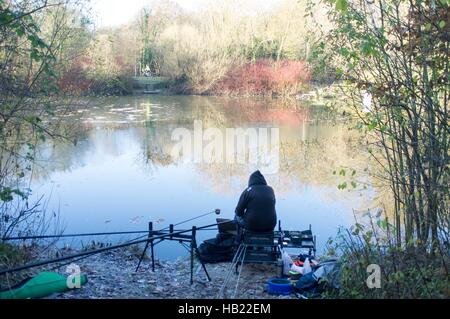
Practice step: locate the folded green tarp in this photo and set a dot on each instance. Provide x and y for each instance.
(39, 286)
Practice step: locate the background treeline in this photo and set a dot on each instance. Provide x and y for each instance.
(220, 49)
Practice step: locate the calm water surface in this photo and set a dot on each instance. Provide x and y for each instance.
(120, 175)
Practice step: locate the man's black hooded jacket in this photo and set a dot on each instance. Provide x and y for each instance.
(257, 205)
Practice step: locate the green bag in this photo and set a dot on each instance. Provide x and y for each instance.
(42, 285)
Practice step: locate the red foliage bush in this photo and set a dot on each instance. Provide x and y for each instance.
(73, 79)
(80, 78)
(264, 77)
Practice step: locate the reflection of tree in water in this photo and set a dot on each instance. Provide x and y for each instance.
(326, 149)
(154, 145)
(308, 157)
(62, 155)
(314, 142)
(237, 112)
(319, 150)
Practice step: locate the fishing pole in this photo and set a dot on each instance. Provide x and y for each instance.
(216, 211)
(73, 235)
(84, 257)
(100, 250)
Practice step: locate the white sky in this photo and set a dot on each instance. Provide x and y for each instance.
(116, 12)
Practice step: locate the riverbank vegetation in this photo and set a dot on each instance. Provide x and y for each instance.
(37, 38)
(393, 58)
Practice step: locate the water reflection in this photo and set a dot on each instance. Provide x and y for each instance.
(120, 174)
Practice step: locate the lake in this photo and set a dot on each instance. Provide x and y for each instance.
(121, 174)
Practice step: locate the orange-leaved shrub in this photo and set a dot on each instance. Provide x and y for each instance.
(264, 77)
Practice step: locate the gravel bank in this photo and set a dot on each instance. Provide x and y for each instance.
(112, 275)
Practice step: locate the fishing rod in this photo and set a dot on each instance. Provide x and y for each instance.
(104, 249)
(84, 257)
(216, 211)
(73, 235)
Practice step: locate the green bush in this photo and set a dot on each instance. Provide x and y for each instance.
(118, 85)
(406, 272)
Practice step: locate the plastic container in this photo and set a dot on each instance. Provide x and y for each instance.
(279, 286)
(307, 267)
(287, 262)
(298, 269)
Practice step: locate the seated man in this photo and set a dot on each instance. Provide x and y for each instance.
(256, 208)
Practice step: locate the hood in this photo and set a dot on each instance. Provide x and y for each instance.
(256, 179)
